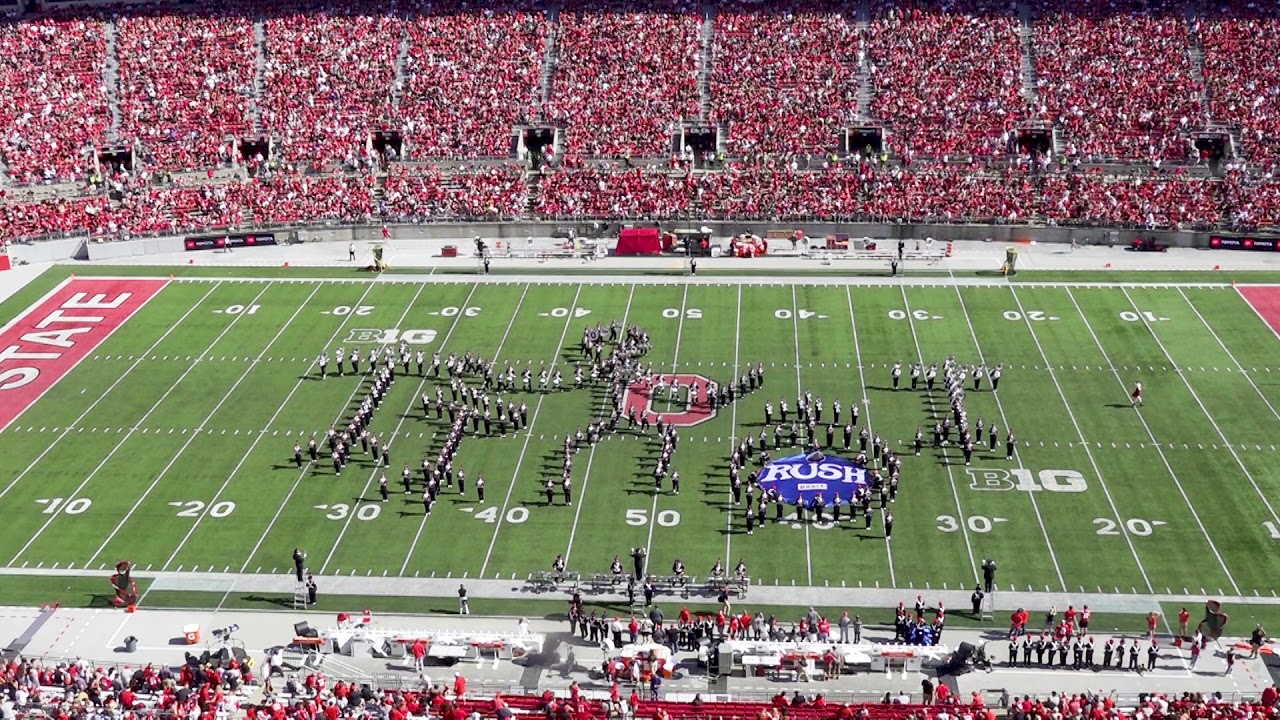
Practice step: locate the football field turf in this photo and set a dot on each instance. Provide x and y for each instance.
(170, 443)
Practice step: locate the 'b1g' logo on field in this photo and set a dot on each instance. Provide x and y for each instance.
(390, 336)
(1066, 481)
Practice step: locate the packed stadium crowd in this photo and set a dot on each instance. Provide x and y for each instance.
(180, 87)
(78, 690)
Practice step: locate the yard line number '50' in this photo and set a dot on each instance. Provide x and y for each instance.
(665, 518)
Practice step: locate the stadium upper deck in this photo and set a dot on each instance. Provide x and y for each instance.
(999, 94)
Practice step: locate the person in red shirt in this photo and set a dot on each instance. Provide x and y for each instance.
(459, 686)
(1184, 618)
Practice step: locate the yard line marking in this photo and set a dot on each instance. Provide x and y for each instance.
(1223, 345)
(964, 521)
(795, 323)
(303, 473)
(586, 475)
(1195, 396)
(84, 483)
(192, 438)
(675, 362)
(1035, 505)
(112, 386)
(866, 409)
(733, 432)
(515, 475)
(1075, 423)
(1138, 411)
(501, 344)
(414, 399)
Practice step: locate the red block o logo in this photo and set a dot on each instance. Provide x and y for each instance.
(692, 407)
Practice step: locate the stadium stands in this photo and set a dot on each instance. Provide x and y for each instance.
(1119, 81)
(946, 75)
(184, 119)
(785, 75)
(328, 80)
(55, 106)
(458, 103)
(1116, 76)
(1242, 82)
(624, 77)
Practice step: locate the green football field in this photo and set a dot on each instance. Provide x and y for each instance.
(171, 443)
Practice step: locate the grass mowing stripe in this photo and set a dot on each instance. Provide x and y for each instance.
(795, 324)
(733, 432)
(1155, 443)
(1075, 423)
(675, 365)
(964, 521)
(494, 358)
(192, 438)
(1004, 419)
(194, 364)
(1195, 396)
(586, 475)
(386, 448)
(294, 488)
(866, 406)
(67, 431)
(515, 474)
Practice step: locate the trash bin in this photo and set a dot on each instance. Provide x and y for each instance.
(130, 644)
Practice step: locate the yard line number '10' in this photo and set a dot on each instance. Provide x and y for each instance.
(74, 507)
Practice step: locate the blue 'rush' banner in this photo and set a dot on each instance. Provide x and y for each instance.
(811, 475)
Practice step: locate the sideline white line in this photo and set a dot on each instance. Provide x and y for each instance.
(1195, 396)
(67, 431)
(84, 483)
(866, 412)
(494, 358)
(1159, 450)
(1035, 505)
(675, 368)
(303, 473)
(795, 324)
(414, 398)
(192, 437)
(964, 521)
(586, 475)
(733, 431)
(537, 408)
(1075, 423)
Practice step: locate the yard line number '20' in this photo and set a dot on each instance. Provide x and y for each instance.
(357, 310)
(193, 508)
(665, 518)
(1136, 526)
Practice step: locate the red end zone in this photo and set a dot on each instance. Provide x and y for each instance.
(39, 347)
(1265, 300)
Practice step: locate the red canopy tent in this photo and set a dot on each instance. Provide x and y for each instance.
(639, 241)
